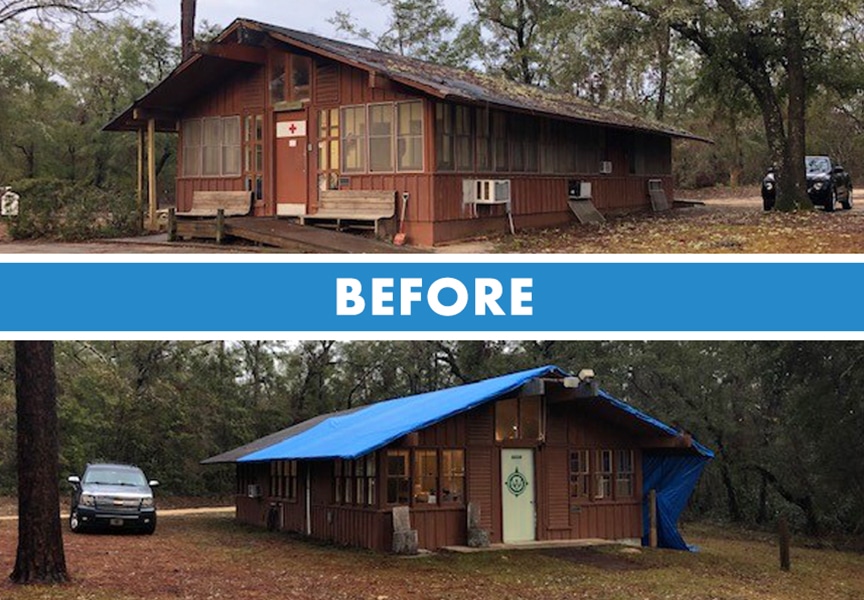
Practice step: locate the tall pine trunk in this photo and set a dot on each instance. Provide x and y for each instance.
(187, 27)
(793, 184)
(40, 557)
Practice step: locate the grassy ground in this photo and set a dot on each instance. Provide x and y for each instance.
(213, 557)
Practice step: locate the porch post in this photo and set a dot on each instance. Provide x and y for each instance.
(151, 173)
(140, 182)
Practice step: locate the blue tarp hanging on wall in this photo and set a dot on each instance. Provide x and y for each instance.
(673, 476)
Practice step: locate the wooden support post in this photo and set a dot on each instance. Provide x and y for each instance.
(151, 174)
(652, 518)
(220, 225)
(172, 224)
(783, 535)
(140, 182)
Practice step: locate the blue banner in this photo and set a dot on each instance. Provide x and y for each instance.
(556, 297)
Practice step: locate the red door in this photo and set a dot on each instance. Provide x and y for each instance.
(291, 163)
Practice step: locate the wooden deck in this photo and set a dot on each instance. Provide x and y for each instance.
(299, 238)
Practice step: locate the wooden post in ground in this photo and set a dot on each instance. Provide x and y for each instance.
(172, 224)
(652, 518)
(783, 535)
(151, 174)
(220, 225)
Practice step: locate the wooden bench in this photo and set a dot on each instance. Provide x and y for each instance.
(207, 204)
(206, 218)
(360, 209)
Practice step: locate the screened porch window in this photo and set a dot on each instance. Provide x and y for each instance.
(580, 474)
(283, 479)
(212, 147)
(354, 139)
(381, 137)
(398, 477)
(409, 136)
(603, 475)
(623, 473)
(425, 477)
(452, 476)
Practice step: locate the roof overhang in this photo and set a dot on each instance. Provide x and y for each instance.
(203, 71)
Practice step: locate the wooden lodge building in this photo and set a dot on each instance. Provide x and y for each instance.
(323, 130)
(534, 455)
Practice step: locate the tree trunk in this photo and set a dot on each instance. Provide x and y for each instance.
(793, 184)
(663, 52)
(40, 557)
(732, 504)
(187, 27)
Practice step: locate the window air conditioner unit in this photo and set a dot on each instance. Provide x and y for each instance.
(606, 167)
(579, 190)
(491, 191)
(253, 490)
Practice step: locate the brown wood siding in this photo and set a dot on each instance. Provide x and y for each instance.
(538, 200)
(243, 90)
(327, 83)
(556, 500)
(440, 527)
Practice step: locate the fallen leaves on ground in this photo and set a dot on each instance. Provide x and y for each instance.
(213, 557)
(702, 230)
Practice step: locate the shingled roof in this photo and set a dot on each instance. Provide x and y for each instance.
(439, 81)
(464, 85)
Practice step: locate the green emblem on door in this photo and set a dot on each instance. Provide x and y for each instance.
(516, 483)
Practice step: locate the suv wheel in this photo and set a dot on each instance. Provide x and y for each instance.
(832, 200)
(74, 523)
(847, 203)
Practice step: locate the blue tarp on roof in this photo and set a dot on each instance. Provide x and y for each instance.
(353, 435)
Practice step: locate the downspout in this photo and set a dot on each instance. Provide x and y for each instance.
(308, 500)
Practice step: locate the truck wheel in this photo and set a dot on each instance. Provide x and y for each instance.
(847, 203)
(75, 523)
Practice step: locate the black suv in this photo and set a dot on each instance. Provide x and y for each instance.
(827, 184)
(113, 496)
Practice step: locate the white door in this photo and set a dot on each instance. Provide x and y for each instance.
(517, 491)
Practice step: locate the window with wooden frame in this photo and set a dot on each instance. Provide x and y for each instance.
(409, 136)
(211, 147)
(348, 481)
(338, 482)
(300, 69)
(500, 145)
(580, 474)
(463, 131)
(398, 477)
(253, 154)
(353, 139)
(245, 478)
(290, 77)
(624, 487)
(283, 479)
(381, 137)
(603, 475)
(519, 419)
(371, 472)
(328, 149)
(452, 476)
(360, 481)
(425, 477)
(444, 137)
(483, 140)
(190, 132)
